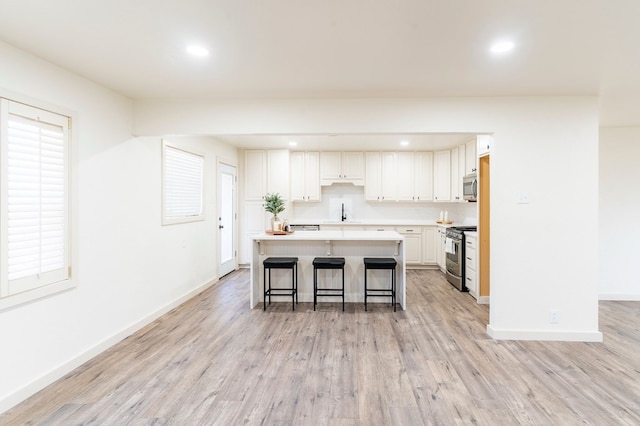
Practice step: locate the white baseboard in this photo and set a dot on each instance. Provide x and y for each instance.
(545, 335)
(484, 300)
(37, 385)
(620, 297)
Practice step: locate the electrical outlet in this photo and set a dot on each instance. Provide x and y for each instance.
(554, 317)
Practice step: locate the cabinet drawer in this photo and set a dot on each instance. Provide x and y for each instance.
(470, 255)
(470, 281)
(409, 230)
(380, 228)
(471, 242)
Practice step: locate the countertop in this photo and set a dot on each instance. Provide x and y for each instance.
(473, 234)
(332, 236)
(377, 222)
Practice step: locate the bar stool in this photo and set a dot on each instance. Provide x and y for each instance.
(281, 263)
(380, 263)
(327, 263)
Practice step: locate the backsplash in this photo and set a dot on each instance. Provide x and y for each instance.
(357, 209)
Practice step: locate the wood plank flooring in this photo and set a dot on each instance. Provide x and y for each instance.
(214, 361)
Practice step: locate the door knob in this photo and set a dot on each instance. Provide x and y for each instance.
(220, 226)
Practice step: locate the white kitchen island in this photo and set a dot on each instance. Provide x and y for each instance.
(352, 245)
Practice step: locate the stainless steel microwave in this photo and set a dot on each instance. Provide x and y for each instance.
(470, 187)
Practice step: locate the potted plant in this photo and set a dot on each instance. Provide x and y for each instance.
(274, 204)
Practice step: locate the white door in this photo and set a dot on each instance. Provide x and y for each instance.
(227, 218)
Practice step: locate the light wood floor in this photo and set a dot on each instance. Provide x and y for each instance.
(214, 361)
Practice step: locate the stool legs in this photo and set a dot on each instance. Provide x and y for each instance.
(392, 290)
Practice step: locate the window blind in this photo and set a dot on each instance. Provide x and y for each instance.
(183, 177)
(36, 203)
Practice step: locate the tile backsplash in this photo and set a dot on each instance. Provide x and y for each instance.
(357, 209)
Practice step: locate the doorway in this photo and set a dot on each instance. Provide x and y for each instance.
(227, 218)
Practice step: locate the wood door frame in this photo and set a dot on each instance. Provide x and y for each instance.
(484, 228)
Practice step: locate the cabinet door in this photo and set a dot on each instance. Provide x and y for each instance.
(389, 176)
(278, 172)
(406, 176)
(312, 176)
(413, 248)
(470, 157)
(256, 220)
(255, 174)
(330, 167)
(423, 176)
(373, 177)
(429, 245)
(442, 176)
(455, 171)
(353, 167)
(297, 176)
(484, 145)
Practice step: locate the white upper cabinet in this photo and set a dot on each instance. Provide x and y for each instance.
(342, 167)
(255, 174)
(442, 176)
(415, 176)
(278, 172)
(458, 161)
(484, 145)
(423, 174)
(305, 176)
(381, 176)
(470, 157)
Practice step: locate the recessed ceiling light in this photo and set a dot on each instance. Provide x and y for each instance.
(404, 143)
(502, 47)
(197, 51)
(293, 143)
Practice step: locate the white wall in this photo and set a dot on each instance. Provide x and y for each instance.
(619, 213)
(546, 147)
(127, 267)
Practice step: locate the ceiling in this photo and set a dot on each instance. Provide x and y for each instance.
(341, 48)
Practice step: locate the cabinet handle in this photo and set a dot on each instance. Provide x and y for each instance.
(468, 258)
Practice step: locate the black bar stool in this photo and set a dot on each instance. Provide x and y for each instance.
(380, 263)
(281, 263)
(327, 263)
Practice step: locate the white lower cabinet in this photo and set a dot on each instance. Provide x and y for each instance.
(412, 243)
(429, 244)
(471, 264)
(441, 258)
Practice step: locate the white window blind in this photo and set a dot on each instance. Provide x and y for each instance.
(35, 209)
(182, 185)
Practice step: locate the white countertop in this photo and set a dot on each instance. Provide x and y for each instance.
(332, 236)
(473, 234)
(377, 222)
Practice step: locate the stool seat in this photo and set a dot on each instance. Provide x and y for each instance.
(380, 262)
(327, 263)
(280, 263)
(388, 263)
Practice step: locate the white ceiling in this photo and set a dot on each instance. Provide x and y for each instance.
(341, 48)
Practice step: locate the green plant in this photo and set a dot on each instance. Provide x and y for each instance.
(273, 203)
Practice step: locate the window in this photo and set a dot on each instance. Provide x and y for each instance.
(34, 215)
(182, 185)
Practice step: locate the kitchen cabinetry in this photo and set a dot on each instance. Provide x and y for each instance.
(305, 184)
(342, 167)
(471, 264)
(429, 245)
(380, 176)
(483, 146)
(412, 244)
(442, 175)
(470, 157)
(441, 258)
(266, 171)
(415, 176)
(256, 220)
(456, 182)
(255, 174)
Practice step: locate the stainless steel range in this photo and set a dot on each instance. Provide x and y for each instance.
(454, 248)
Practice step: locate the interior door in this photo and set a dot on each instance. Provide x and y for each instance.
(227, 218)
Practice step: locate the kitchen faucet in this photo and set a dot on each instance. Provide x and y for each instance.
(344, 217)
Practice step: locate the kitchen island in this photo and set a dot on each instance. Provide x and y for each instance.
(352, 245)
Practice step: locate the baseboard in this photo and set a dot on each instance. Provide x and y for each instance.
(620, 297)
(37, 385)
(484, 300)
(559, 336)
